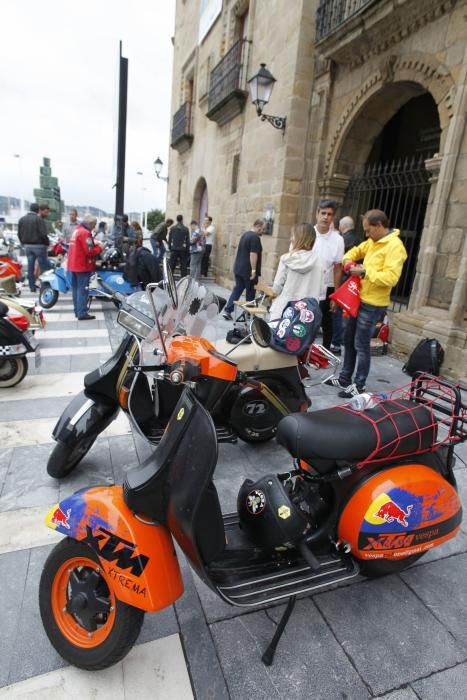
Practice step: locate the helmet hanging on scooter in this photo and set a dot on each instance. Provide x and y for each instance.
(268, 513)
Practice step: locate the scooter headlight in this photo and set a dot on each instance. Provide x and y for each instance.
(136, 323)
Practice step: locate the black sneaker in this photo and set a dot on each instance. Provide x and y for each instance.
(335, 382)
(88, 317)
(351, 390)
(336, 349)
(227, 316)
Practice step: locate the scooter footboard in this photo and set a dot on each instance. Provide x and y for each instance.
(83, 418)
(138, 557)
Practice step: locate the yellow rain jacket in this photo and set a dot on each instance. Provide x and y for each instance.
(383, 261)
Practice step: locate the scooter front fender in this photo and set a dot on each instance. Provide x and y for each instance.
(84, 416)
(138, 557)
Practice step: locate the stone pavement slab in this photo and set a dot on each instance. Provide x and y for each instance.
(451, 684)
(390, 635)
(441, 585)
(309, 662)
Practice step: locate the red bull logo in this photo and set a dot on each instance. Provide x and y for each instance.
(390, 512)
(60, 518)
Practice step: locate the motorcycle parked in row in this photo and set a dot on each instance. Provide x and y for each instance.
(371, 502)
(58, 281)
(14, 345)
(32, 315)
(265, 384)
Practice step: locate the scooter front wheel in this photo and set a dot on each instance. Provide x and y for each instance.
(47, 296)
(64, 459)
(84, 621)
(12, 371)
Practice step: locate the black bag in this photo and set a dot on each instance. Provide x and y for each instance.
(130, 273)
(297, 328)
(236, 335)
(427, 356)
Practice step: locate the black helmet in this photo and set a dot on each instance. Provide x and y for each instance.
(112, 256)
(268, 514)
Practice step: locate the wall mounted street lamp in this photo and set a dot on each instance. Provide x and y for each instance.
(260, 86)
(158, 167)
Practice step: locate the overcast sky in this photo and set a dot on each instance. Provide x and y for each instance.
(57, 77)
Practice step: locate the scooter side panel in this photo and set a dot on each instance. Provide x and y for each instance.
(399, 512)
(139, 558)
(82, 417)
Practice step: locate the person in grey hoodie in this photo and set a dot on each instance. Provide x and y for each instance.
(300, 273)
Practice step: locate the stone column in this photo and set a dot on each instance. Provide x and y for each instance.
(334, 187)
(434, 231)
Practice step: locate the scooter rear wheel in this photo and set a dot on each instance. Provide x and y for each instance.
(64, 459)
(85, 622)
(47, 296)
(12, 371)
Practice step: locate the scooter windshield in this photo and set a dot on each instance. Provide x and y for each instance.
(196, 308)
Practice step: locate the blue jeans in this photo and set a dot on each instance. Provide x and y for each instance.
(241, 283)
(33, 253)
(337, 327)
(79, 288)
(158, 250)
(357, 337)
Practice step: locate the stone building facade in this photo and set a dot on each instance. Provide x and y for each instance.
(375, 96)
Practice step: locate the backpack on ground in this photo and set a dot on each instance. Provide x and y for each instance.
(427, 356)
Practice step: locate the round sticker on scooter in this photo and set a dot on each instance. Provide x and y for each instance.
(255, 502)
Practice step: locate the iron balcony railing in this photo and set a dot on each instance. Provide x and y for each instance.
(331, 14)
(181, 123)
(229, 75)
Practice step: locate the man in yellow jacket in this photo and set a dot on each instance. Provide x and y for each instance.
(383, 256)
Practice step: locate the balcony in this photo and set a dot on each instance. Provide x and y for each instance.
(182, 136)
(227, 85)
(348, 31)
(332, 14)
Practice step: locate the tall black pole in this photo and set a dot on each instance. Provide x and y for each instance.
(121, 145)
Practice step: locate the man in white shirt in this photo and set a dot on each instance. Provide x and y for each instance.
(209, 231)
(330, 246)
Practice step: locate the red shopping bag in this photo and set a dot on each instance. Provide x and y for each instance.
(347, 296)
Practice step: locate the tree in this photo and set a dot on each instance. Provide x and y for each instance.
(154, 218)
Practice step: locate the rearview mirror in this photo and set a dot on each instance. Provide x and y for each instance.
(261, 332)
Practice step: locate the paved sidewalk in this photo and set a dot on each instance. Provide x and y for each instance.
(400, 637)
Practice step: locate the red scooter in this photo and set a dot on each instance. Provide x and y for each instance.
(372, 502)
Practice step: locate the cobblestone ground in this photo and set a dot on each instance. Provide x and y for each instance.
(400, 637)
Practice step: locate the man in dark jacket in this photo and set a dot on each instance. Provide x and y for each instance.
(159, 237)
(179, 245)
(32, 233)
(247, 266)
(142, 267)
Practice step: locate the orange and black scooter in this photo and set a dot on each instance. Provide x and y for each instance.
(372, 502)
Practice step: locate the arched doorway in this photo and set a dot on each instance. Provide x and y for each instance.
(393, 176)
(200, 200)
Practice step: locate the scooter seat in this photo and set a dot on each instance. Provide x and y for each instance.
(322, 438)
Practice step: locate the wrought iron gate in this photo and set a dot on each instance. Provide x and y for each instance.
(400, 189)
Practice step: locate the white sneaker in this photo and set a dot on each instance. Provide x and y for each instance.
(334, 381)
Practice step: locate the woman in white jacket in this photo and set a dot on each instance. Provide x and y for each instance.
(300, 273)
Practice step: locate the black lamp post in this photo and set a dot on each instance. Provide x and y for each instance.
(261, 86)
(158, 167)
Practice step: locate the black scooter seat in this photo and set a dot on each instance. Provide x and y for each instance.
(325, 437)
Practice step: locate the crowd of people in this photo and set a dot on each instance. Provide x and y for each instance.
(314, 267)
